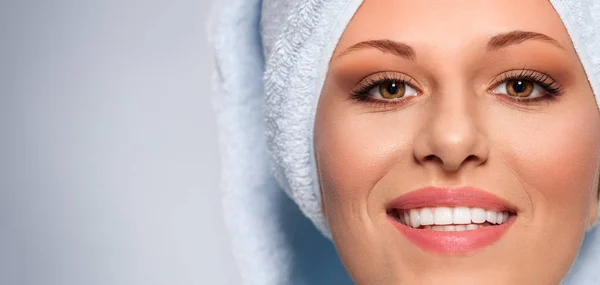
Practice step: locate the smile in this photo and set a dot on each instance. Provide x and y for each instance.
(450, 219)
(446, 220)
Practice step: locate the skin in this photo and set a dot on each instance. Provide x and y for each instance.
(542, 157)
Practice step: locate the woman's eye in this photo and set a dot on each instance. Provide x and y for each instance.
(392, 90)
(519, 88)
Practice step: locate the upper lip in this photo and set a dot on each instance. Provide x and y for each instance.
(450, 197)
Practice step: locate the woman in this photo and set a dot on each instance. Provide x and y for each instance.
(435, 142)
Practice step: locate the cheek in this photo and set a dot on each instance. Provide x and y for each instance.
(350, 157)
(567, 162)
(353, 149)
(355, 152)
(555, 159)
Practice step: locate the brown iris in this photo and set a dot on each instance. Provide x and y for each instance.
(392, 90)
(519, 88)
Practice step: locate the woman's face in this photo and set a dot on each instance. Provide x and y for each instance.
(457, 143)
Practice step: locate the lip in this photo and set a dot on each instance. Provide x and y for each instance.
(451, 197)
(452, 242)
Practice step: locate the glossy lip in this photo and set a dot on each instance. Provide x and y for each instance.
(451, 197)
(452, 242)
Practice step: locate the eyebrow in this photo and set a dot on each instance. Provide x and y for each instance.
(495, 43)
(386, 46)
(517, 37)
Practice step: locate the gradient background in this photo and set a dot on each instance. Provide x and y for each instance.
(109, 161)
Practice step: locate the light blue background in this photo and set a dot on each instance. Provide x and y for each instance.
(108, 158)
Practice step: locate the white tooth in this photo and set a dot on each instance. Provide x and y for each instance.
(406, 218)
(461, 216)
(449, 228)
(478, 215)
(414, 218)
(437, 228)
(472, 227)
(491, 217)
(442, 216)
(499, 218)
(461, 228)
(505, 216)
(426, 217)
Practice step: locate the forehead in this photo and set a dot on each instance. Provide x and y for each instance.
(450, 23)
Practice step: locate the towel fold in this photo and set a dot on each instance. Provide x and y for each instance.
(271, 61)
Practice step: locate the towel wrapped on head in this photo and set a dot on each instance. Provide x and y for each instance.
(271, 61)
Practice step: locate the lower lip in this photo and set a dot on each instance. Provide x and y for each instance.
(454, 242)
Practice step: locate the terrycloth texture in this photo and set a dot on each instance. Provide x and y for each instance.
(273, 242)
(308, 37)
(582, 20)
(290, 42)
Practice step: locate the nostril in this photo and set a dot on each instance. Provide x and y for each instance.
(474, 158)
(450, 163)
(471, 158)
(432, 158)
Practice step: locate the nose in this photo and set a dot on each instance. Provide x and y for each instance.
(451, 137)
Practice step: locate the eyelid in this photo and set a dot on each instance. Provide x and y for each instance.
(367, 83)
(522, 73)
(545, 81)
(551, 88)
(384, 75)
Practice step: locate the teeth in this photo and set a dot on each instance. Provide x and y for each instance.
(426, 217)
(461, 216)
(491, 216)
(478, 215)
(439, 228)
(457, 228)
(451, 219)
(442, 216)
(502, 218)
(472, 227)
(415, 220)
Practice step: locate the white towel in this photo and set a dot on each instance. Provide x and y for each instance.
(271, 61)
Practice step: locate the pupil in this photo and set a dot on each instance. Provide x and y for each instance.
(392, 88)
(519, 86)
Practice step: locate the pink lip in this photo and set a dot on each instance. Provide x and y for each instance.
(452, 242)
(450, 197)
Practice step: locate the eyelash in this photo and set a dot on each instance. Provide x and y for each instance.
(551, 88)
(361, 93)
